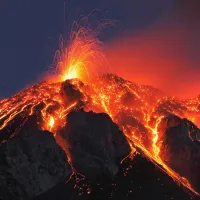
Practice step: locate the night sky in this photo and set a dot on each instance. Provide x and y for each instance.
(30, 30)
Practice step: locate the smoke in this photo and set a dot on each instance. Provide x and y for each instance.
(165, 55)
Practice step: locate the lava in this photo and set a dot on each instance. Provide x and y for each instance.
(108, 94)
(83, 50)
(145, 106)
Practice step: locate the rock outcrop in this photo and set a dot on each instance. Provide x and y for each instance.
(31, 162)
(181, 148)
(95, 144)
(70, 91)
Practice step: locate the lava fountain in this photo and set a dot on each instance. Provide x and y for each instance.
(83, 58)
(137, 109)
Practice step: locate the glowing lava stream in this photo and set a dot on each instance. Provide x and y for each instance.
(159, 163)
(155, 158)
(106, 94)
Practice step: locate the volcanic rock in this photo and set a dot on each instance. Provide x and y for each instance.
(95, 144)
(169, 121)
(31, 163)
(130, 99)
(70, 91)
(140, 131)
(138, 179)
(181, 149)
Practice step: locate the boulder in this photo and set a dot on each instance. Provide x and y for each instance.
(31, 162)
(70, 91)
(95, 144)
(180, 148)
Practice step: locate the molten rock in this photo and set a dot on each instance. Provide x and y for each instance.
(95, 144)
(31, 163)
(181, 149)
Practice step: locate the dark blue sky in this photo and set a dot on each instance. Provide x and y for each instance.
(30, 29)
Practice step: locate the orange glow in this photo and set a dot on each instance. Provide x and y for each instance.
(161, 56)
(83, 57)
(107, 97)
(51, 123)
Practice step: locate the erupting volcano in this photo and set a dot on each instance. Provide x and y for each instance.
(162, 129)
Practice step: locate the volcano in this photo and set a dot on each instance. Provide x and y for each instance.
(96, 133)
(87, 134)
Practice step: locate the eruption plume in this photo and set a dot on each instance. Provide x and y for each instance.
(83, 58)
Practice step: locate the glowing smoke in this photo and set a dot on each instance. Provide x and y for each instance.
(165, 55)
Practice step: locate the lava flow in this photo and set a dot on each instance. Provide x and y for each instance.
(139, 110)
